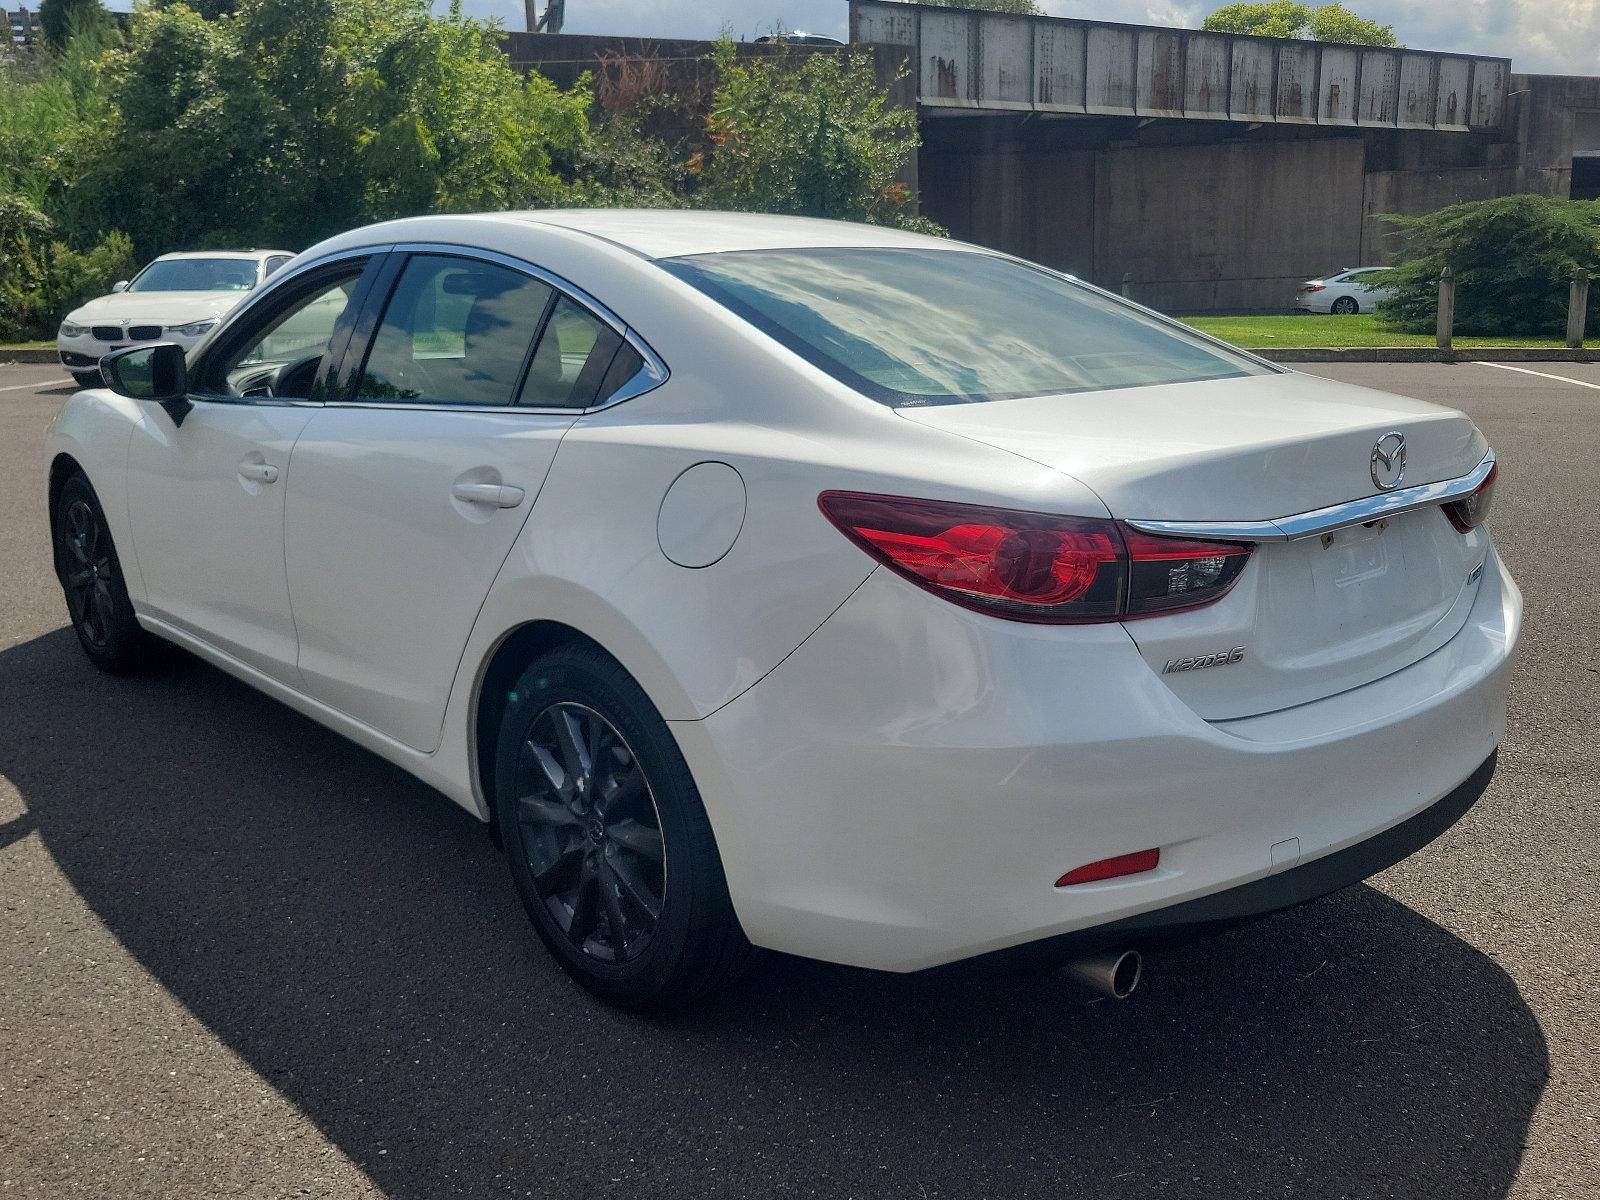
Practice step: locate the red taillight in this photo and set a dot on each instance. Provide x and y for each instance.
(1112, 868)
(1315, 287)
(1467, 513)
(1035, 566)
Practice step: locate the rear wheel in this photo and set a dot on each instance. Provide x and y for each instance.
(91, 577)
(607, 839)
(1346, 306)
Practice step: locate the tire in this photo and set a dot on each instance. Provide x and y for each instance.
(607, 839)
(91, 579)
(88, 379)
(1346, 306)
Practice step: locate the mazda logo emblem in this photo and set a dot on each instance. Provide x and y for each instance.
(1389, 461)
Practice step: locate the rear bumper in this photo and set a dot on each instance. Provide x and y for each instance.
(903, 791)
(1238, 905)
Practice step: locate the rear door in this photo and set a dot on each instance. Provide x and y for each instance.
(410, 488)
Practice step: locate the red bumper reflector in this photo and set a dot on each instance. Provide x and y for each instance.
(1111, 868)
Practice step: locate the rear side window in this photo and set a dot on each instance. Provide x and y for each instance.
(571, 360)
(914, 327)
(455, 331)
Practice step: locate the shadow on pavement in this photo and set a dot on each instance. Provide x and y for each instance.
(356, 940)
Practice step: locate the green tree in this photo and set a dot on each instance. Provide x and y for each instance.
(292, 119)
(41, 278)
(209, 9)
(1512, 258)
(809, 134)
(61, 20)
(1289, 19)
(54, 114)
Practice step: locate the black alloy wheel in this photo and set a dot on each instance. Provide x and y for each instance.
(91, 578)
(608, 841)
(88, 573)
(591, 833)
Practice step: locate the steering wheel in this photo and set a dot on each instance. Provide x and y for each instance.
(296, 376)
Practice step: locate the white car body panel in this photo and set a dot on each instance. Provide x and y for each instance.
(953, 770)
(209, 540)
(386, 566)
(893, 781)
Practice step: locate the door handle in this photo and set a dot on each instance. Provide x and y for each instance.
(496, 495)
(258, 472)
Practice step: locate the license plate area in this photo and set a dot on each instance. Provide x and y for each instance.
(1352, 557)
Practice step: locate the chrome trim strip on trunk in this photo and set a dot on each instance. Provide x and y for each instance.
(1326, 520)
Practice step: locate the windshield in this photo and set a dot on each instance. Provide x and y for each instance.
(196, 275)
(910, 327)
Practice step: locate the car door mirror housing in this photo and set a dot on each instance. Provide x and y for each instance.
(120, 285)
(156, 373)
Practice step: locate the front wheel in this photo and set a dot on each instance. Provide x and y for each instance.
(1346, 306)
(607, 839)
(88, 379)
(91, 577)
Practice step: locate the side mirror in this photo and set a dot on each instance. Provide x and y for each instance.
(156, 373)
(120, 285)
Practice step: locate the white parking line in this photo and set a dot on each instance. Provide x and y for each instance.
(1540, 374)
(23, 387)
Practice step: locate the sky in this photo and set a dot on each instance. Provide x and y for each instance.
(1557, 36)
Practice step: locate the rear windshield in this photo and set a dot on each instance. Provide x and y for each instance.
(913, 327)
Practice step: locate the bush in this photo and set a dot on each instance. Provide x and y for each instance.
(1512, 258)
(42, 279)
(810, 135)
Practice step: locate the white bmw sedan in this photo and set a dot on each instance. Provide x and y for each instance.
(768, 582)
(176, 298)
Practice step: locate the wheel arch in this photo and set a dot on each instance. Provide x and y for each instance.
(510, 657)
(62, 468)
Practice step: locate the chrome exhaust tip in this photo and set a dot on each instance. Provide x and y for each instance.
(1114, 973)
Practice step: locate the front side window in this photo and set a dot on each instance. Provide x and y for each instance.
(915, 327)
(196, 275)
(455, 331)
(280, 356)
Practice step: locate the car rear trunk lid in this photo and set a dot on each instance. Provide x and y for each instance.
(1309, 617)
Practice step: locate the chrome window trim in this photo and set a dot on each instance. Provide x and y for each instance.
(1327, 520)
(649, 377)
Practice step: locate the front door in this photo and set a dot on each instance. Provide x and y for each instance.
(408, 495)
(206, 484)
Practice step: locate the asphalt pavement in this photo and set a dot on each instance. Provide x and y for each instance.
(241, 957)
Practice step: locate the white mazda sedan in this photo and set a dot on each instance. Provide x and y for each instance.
(768, 582)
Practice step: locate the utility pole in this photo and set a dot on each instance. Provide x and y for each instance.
(555, 12)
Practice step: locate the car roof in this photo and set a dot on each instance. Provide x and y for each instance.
(669, 233)
(241, 254)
